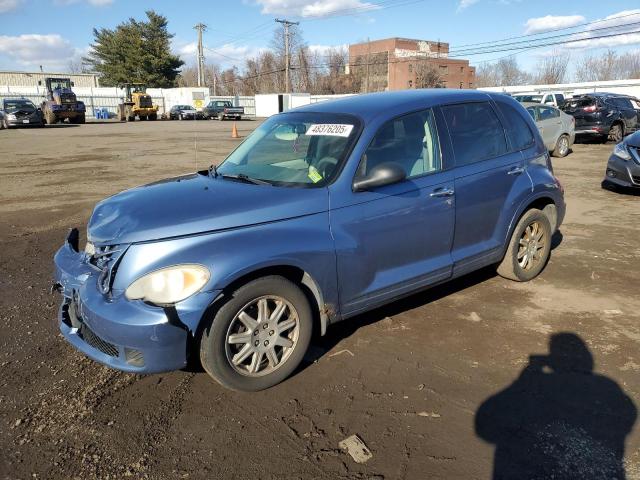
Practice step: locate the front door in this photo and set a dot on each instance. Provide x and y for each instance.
(397, 238)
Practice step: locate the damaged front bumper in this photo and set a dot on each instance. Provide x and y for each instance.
(131, 336)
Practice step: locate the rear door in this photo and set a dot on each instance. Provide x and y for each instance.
(628, 114)
(485, 174)
(550, 125)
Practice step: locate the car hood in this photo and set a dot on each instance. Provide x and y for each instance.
(633, 140)
(194, 204)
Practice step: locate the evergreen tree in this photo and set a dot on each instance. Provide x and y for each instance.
(135, 52)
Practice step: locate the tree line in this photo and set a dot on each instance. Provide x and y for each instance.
(556, 68)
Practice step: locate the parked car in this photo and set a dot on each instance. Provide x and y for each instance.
(556, 99)
(322, 213)
(1, 120)
(604, 115)
(222, 109)
(556, 128)
(623, 168)
(20, 112)
(184, 112)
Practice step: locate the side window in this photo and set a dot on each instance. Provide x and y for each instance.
(475, 131)
(559, 98)
(547, 113)
(625, 103)
(411, 141)
(517, 128)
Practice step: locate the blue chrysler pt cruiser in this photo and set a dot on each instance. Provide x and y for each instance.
(324, 212)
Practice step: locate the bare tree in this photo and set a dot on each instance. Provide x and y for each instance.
(552, 69)
(504, 72)
(427, 76)
(609, 66)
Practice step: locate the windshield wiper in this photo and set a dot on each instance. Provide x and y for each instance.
(246, 179)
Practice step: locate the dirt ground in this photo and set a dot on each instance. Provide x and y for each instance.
(416, 380)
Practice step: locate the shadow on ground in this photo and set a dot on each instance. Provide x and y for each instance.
(558, 419)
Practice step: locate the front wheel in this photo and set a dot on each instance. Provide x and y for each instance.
(258, 337)
(529, 247)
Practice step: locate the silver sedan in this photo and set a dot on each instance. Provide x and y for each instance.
(556, 128)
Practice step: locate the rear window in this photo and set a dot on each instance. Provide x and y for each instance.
(517, 128)
(529, 98)
(577, 103)
(475, 131)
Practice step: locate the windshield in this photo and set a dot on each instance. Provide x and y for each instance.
(529, 98)
(16, 105)
(294, 149)
(57, 83)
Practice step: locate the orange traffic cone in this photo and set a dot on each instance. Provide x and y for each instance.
(234, 131)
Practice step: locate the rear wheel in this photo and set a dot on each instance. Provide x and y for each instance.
(562, 147)
(258, 337)
(529, 247)
(220, 116)
(153, 116)
(50, 117)
(616, 134)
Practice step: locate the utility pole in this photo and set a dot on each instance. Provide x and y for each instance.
(287, 64)
(366, 78)
(201, 27)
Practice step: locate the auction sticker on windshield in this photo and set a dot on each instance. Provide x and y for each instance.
(332, 129)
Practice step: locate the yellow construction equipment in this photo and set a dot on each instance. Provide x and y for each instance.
(137, 103)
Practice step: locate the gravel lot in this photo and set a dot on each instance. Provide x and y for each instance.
(416, 380)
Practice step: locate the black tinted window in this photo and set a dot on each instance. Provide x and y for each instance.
(476, 132)
(517, 128)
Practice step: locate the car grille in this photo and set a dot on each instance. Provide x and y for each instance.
(96, 342)
(67, 98)
(145, 102)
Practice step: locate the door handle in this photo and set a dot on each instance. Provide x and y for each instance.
(515, 171)
(442, 192)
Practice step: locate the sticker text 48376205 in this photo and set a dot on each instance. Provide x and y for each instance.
(332, 129)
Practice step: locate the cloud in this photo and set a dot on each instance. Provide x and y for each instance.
(551, 22)
(9, 5)
(228, 54)
(32, 50)
(314, 8)
(466, 4)
(618, 23)
(324, 49)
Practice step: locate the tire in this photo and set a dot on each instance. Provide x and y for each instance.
(50, 117)
(562, 147)
(216, 353)
(221, 116)
(142, 117)
(81, 119)
(153, 116)
(180, 117)
(512, 266)
(616, 133)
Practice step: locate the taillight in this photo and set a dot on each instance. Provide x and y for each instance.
(590, 108)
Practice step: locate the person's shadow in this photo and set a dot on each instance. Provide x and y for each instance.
(558, 420)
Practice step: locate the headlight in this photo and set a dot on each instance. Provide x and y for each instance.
(620, 150)
(169, 285)
(11, 116)
(89, 249)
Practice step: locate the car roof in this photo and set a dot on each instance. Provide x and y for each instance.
(370, 105)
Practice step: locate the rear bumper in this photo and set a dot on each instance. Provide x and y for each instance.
(625, 173)
(126, 335)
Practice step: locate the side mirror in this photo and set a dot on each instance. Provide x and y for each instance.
(379, 176)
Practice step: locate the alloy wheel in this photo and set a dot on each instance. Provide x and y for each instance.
(531, 246)
(262, 336)
(563, 146)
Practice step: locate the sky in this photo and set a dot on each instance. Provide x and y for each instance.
(54, 33)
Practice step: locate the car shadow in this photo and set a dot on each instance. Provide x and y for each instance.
(632, 192)
(558, 419)
(62, 125)
(339, 331)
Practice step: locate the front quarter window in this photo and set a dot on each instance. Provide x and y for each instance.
(295, 149)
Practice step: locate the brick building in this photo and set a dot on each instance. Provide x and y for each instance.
(401, 63)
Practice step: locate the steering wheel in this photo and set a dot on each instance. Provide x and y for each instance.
(326, 165)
